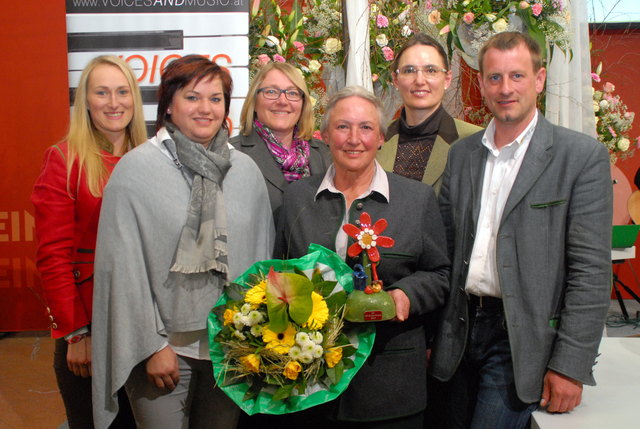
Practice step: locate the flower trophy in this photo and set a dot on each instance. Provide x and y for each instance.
(277, 339)
(368, 302)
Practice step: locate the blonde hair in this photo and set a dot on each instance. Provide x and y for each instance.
(247, 115)
(85, 141)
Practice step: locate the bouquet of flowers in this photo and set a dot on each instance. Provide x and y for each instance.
(613, 120)
(468, 24)
(278, 342)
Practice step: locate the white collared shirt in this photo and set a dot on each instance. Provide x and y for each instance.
(501, 170)
(379, 184)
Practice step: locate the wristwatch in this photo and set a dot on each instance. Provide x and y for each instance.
(77, 338)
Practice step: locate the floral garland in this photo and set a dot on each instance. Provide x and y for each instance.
(468, 24)
(613, 120)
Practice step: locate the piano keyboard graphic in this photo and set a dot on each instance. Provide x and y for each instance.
(149, 41)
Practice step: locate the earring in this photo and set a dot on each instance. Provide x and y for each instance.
(168, 111)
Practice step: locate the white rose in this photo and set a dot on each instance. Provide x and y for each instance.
(596, 106)
(381, 40)
(490, 17)
(623, 144)
(314, 66)
(465, 3)
(499, 26)
(332, 45)
(604, 104)
(406, 31)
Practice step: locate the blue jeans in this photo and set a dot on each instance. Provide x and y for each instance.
(483, 391)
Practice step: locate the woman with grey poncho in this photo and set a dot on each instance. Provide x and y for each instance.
(182, 214)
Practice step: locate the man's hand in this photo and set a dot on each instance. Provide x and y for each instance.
(79, 357)
(402, 304)
(560, 394)
(162, 369)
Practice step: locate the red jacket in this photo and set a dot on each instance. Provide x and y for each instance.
(66, 227)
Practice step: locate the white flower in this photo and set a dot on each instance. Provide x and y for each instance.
(374, 8)
(623, 144)
(596, 106)
(313, 101)
(254, 318)
(403, 16)
(272, 41)
(490, 17)
(500, 25)
(295, 352)
(381, 40)
(465, 3)
(246, 308)
(318, 351)
(314, 66)
(305, 357)
(302, 338)
(239, 335)
(308, 347)
(332, 45)
(316, 337)
(256, 330)
(604, 104)
(406, 31)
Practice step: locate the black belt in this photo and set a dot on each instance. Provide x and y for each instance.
(490, 303)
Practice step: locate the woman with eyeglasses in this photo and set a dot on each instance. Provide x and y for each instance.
(276, 125)
(417, 143)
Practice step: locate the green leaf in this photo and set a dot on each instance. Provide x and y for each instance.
(253, 391)
(335, 301)
(316, 276)
(235, 292)
(335, 373)
(348, 351)
(325, 288)
(288, 294)
(283, 392)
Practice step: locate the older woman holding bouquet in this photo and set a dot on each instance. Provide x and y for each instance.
(390, 389)
(178, 221)
(276, 124)
(418, 141)
(107, 121)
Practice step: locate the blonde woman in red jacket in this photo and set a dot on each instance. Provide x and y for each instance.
(107, 121)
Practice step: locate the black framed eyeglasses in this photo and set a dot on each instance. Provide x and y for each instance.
(271, 93)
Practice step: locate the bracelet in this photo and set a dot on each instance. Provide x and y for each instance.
(77, 338)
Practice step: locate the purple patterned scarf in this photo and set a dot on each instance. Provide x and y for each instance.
(294, 162)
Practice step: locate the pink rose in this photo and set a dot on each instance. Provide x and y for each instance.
(387, 52)
(536, 9)
(468, 17)
(263, 59)
(609, 87)
(299, 47)
(279, 58)
(382, 21)
(595, 77)
(317, 135)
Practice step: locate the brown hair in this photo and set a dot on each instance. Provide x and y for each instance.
(509, 40)
(247, 115)
(181, 72)
(424, 40)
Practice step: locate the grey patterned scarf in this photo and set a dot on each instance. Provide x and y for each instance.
(203, 241)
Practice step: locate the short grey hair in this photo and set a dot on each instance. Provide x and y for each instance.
(353, 91)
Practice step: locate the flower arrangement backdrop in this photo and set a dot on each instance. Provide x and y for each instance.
(310, 35)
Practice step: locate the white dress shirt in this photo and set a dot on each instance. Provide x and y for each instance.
(379, 184)
(501, 170)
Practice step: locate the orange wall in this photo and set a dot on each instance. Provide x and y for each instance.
(35, 113)
(619, 51)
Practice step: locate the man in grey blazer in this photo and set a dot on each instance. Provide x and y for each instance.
(528, 208)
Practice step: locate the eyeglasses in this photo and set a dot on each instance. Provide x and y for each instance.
(411, 72)
(271, 93)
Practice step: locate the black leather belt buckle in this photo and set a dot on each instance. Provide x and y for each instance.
(490, 303)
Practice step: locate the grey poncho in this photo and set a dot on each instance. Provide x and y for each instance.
(143, 211)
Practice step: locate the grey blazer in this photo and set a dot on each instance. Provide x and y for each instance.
(392, 383)
(553, 255)
(254, 146)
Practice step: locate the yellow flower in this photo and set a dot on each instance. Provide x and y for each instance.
(333, 356)
(251, 362)
(292, 369)
(282, 342)
(319, 312)
(228, 316)
(258, 294)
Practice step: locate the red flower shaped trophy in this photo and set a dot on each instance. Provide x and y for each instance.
(368, 302)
